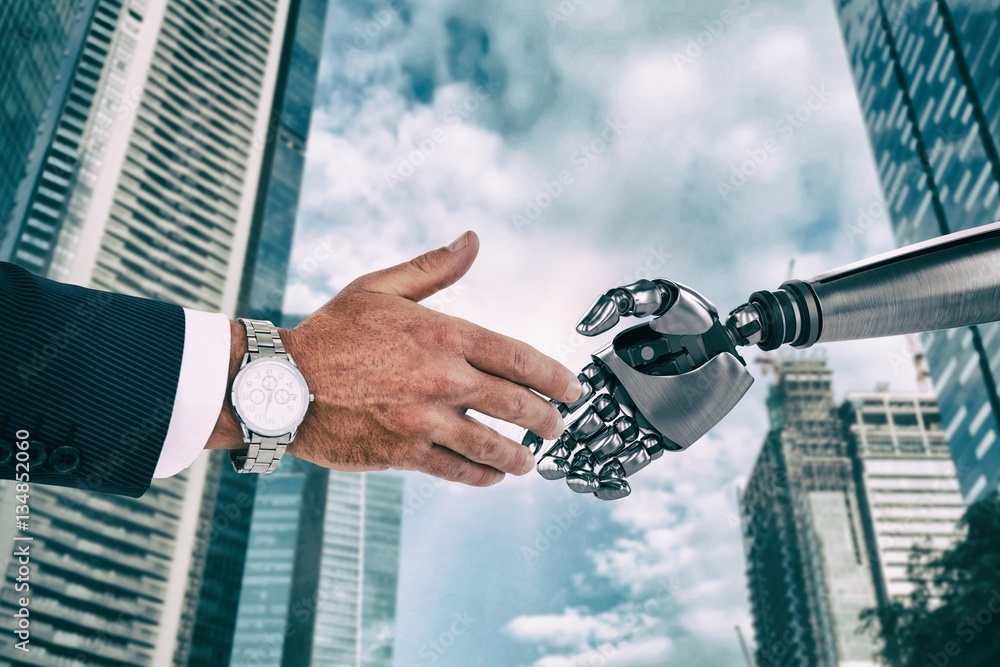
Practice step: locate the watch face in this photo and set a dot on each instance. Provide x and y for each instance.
(271, 396)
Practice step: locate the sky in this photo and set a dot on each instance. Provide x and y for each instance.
(589, 143)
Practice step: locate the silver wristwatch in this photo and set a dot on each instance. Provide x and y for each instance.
(270, 398)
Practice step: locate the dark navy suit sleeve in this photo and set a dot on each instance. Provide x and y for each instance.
(91, 377)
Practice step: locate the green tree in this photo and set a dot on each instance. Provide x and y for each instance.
(952, 617)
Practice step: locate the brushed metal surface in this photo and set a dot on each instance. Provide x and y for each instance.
(950, 281)
(683, 407)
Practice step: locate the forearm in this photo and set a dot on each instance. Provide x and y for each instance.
(227, 433)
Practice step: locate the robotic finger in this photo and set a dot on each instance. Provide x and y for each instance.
(661, 385)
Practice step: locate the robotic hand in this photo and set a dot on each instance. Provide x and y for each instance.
(656, 387)
(661, 385)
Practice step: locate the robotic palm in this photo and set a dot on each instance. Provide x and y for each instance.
(661, 385)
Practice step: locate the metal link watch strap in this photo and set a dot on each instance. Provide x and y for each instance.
(262, 339)
(264, 452)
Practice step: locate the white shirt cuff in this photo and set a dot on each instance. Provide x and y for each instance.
(201, 389)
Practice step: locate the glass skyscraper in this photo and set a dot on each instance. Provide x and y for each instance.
(39, 43)
(225, 530)
(926, 75)
(321, 589)
(150, 173)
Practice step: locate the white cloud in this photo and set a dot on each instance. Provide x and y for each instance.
(647, 203)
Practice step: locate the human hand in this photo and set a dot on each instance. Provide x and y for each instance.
(393, 380)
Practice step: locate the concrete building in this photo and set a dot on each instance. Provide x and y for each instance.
(835, 504)
(150, 174)
(926, 75)
(908, 488)
(807, 568)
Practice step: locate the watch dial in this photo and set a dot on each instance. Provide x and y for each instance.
(271, 396)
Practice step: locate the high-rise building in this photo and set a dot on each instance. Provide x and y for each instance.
(926, 75)
(39, 44)
(278, 596)
(322, 595)
(210, 618)
(150, 174)
(909, 493)
(807, 569)
(832, 510)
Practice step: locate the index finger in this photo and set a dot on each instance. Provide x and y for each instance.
(518, 362)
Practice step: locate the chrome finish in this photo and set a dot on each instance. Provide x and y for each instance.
(263, 452)
(646, 392)
(660, 386)
(552, 468)
(947, 282)
(634, 459)
(582, 481)
(613, 489)
(586, 425)
(691, 314)
(640, 299)
(683, 407)
(744, 324)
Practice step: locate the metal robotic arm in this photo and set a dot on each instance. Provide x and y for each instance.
(661, 385)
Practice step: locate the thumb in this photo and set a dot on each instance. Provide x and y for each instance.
(431, 272)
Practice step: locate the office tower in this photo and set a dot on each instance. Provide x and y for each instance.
(834, 506)
(359, 568)
(277, 600)
(807, 569)
(210, 614)
(908, 489)
(327, 595)
(38, 47)
(148, 183)
(215, 595)
(926, 74)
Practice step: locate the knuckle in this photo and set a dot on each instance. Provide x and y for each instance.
(552, 418)
(445, 336)
(422, 263)
(443, 384)
(481, 476)
(419, 424)
(520, 363)
(520, 404)
(491, 445)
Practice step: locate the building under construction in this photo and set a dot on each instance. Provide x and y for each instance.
(836, 500)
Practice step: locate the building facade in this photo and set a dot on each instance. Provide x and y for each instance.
(214, 596)
(39, 44)
(150, 174)
(326, 594)
(926, 75)
(807, 570)
(909, 494)
(836, 502)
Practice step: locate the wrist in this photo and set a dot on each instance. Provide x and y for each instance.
(227, 433)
